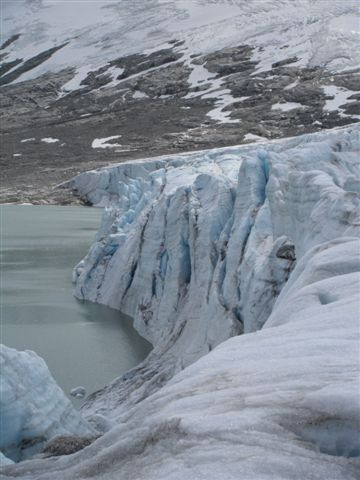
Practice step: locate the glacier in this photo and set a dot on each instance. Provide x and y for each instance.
(33, 408)
(188, 240)
(241, 266)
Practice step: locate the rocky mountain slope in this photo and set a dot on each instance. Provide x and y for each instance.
(159, 77)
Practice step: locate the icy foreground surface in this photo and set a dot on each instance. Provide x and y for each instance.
(197, 248)
(33, 408)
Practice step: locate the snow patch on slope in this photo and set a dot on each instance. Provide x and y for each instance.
(50, 140)
(104, 142)
(340, 96)
(75, 83)
(286, 106)
(200, 76)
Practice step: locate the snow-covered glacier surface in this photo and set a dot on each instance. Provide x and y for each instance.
(259, 239)
(33, 408)
(278, 29)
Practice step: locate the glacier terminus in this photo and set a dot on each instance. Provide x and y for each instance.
(241, 266)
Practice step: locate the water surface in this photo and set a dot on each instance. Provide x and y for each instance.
(82, 343)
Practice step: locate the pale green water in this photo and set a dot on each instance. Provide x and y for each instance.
(82, 343)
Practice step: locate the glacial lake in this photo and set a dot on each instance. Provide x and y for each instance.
(82, 343)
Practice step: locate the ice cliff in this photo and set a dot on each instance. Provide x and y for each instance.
(197, 247)
(259, 239)
(33, 408)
